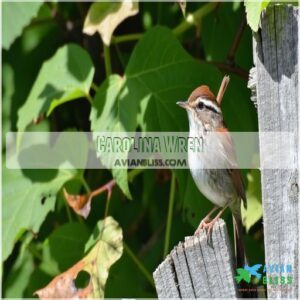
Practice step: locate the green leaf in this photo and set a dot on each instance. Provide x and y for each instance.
(105, 17)
(148, 92)
(152, 84)
(107, 248)
(253, 10)
(64, 247)
(254, 207)
(66, 76)
(27, 199)
(15, 17)
(19, 276)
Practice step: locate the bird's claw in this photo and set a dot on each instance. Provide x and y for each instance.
(203, 225)
(206, 225)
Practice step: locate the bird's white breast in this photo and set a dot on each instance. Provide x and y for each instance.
(203, 165)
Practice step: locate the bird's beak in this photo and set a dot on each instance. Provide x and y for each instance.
(183, 104)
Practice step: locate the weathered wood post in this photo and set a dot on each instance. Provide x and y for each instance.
(196, 270)
(276, 58)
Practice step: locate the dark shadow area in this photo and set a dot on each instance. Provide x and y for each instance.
(277, 41)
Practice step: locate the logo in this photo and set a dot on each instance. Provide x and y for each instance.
(272, 274)
(246, 273)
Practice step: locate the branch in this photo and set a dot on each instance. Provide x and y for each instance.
(195, 17)
(228, 68)
(191, 20)
(236, 42)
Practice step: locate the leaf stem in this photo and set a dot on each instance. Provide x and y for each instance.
(107, 205)
(94, 87)
(126, 38)
(170, 214)
(107, 60)
(139, 264)
(89, 98)
(194, 17)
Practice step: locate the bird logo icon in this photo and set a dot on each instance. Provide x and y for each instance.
(246, 273)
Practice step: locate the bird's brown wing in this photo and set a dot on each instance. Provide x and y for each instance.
(235, 173)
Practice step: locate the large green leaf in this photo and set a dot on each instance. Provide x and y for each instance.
(27, 199)
(154, 80)
(104, 17)
(106, 248)
(64, 247)
(16, 15)
(66, 76)
(253, 10)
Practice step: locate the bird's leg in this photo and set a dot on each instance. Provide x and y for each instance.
(205, 221)
(211, 224)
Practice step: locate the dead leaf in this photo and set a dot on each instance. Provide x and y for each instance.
(107, 248)
(81, 204)
(104, 17)
(182, 4)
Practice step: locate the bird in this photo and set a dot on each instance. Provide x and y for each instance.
(253, 270)
(215, 169)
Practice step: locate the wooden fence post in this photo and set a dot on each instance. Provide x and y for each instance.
(276, 58)
(195, 269)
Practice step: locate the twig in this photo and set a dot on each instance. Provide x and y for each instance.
(187, 23)
(229, 68)
(236, 42)
(139, 264)
(194, 17)
(106, 187)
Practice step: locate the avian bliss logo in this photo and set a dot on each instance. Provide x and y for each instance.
(270, 274)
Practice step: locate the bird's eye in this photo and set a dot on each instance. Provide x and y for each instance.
(200, 105)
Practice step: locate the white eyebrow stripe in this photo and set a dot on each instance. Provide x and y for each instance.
(208, 103)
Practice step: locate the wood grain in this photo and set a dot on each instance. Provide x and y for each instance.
(198, 269)
(276, 55)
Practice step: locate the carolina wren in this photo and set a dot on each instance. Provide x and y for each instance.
(223, 186)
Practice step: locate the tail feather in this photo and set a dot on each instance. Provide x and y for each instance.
(239, 242)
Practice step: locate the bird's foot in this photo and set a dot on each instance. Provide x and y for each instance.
(207, 225)
(203, 225)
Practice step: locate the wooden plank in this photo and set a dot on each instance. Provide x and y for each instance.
(276, 55)
(165, 280)
(200, 269)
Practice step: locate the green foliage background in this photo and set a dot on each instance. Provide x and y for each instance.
(68, 80)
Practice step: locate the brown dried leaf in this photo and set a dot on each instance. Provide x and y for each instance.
(107, 249)
(81, 204)
(182, 4)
